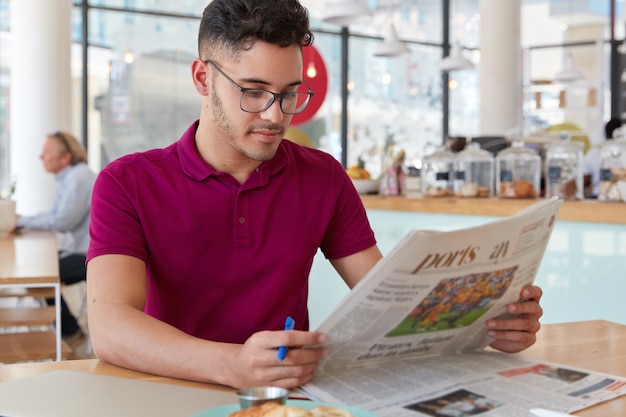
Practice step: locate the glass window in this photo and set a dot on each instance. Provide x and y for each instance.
(141, 95)
(551, 105)
(179, 7)
(140, 82)
(416, 20)
(141, 88)
(464, 86)
(393, 102)
(322, 129)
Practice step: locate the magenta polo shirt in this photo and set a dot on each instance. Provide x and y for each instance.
(225, 260)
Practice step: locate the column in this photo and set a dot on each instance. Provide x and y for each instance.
(500, 66)
(40, 93)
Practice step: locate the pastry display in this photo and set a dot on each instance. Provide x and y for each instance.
(609, 190)
(474, 172)
(517, 189)
(518, 171)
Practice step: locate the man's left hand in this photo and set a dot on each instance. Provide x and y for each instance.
(518, 332)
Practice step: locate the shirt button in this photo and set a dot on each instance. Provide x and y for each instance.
(242, 220)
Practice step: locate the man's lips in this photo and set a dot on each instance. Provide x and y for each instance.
(268, 135)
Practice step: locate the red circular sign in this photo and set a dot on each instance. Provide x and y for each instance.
(314, 72)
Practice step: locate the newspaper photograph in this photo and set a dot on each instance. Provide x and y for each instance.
(410, 338)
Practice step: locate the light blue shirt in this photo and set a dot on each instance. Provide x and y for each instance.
(70, 210)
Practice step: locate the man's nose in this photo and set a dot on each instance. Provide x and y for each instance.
(273, 113)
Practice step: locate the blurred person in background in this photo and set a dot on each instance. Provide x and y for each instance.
(592, 159)
(65, 158)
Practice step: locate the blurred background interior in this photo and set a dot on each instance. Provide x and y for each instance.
(533, 65)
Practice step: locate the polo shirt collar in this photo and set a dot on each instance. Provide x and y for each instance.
(194, 166)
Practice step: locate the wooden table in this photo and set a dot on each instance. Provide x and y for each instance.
(595, 345)
(31, 260)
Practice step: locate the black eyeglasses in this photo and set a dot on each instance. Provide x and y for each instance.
(256, 100)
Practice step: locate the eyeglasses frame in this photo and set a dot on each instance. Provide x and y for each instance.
(278, 96)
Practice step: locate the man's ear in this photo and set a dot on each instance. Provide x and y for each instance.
(200, 76)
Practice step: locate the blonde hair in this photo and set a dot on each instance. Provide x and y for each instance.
(70, 144)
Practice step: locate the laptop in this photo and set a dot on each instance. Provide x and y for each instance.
(81, 394)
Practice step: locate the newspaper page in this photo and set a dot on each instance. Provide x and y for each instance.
(489, 384)
(411, 335)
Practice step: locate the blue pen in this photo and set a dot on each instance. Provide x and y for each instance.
(282, 351)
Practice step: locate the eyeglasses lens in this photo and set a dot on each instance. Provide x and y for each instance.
(255, 101)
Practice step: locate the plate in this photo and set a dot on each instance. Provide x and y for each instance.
(225, 410)
(366, 186)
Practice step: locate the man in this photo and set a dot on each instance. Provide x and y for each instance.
(64, 157)
(199, 251)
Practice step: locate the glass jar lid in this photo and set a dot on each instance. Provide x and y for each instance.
(518, 151)
(564, 146)
(614, 146)
(442, 154)
(474, 153)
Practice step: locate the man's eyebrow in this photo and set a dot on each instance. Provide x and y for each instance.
(263, 82)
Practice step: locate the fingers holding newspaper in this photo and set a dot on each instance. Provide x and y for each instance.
(518, 331)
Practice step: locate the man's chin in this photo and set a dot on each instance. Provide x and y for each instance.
(264, 153)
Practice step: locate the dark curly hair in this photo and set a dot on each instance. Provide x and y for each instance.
(232, 26)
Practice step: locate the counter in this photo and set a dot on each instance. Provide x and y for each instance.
(579, 211)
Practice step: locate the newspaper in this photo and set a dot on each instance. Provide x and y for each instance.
(410, 338)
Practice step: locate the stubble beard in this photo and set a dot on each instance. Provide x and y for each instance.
(263, 152)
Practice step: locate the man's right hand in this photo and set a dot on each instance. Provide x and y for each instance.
(258, 365)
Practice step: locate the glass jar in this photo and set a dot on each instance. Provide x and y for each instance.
(564, 169)
(473, 172)
(412, 180)
(518, 172)
(436, 174)
(612, 170)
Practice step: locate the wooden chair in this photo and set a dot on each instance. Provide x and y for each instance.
(27, 335)
(22, 294)
(27, 322)
(30, 346)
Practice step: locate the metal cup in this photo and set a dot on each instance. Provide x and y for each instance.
(250, 397)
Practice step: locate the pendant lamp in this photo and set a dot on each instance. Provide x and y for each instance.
(455, 61)
(569, 73)
(344, 12)
(391, 46)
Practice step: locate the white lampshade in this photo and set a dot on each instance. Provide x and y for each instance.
(391, 46)
(344, 12)
(569, 73)
(455, 61)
